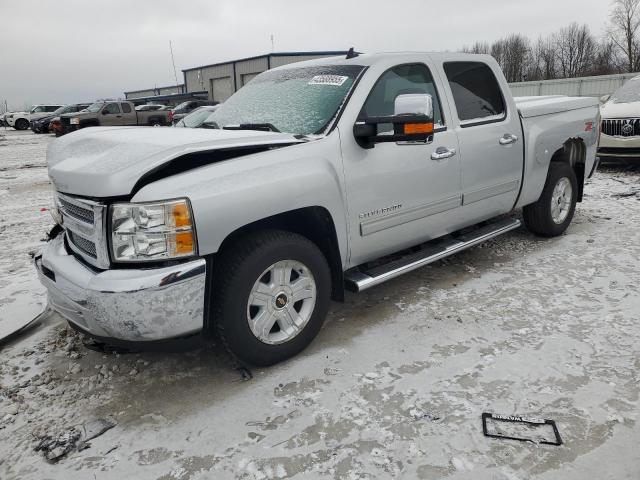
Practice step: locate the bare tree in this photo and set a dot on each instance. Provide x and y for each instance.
(575, 49)
(623, 30)
(513, 55)
(478, 47)
(607, 60)
(543, 64)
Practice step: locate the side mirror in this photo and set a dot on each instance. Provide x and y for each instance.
(105, 111)
(412, 121)
(605, 98)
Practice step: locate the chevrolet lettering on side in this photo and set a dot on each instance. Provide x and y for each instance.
(314, 178)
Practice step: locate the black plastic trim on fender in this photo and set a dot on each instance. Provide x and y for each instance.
(191, 161)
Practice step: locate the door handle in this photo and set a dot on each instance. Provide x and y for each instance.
(443, 152)
(508, 139)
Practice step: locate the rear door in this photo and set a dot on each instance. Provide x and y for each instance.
(129, 116)
(489, 133)
(400, 194)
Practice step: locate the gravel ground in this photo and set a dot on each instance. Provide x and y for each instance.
(393, 387)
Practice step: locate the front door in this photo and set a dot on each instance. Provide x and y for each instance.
(111, 115)
(489, 133)
(400, 194)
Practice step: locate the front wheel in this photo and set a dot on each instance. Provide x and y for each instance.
(271, 294)
(552, 213)
(21, 124)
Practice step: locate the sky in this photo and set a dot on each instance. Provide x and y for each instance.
(78, 50)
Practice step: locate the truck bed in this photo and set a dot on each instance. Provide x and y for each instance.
(546, 105)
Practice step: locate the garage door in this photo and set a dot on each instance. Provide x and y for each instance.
(247, 77)
(221, 88)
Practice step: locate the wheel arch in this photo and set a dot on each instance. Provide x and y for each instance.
(573, 152)
(314, 223)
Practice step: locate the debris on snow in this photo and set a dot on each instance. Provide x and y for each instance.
(73, 439)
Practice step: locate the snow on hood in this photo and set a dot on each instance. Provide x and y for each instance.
(620, 110)
(108, 161)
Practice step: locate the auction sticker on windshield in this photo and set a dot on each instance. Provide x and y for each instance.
(336, 80)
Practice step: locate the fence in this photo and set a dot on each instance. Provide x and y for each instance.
(580, 87)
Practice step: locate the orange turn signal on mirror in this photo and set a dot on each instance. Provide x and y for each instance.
(416, 128)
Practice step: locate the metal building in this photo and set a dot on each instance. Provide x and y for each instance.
(221, 80)
(575, 87)
(152, 92)
(171, 95)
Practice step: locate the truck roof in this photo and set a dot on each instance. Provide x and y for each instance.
(371, 59)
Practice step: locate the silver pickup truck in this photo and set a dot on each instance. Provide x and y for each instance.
(326, 175)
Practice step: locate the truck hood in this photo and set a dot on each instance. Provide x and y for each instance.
(620, 110)
(110, 161)
(76, 114)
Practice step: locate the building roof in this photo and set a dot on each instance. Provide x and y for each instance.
(273, 54)
(169, 96)
(180, 86)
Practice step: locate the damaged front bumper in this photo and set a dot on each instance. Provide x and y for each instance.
(141, 304)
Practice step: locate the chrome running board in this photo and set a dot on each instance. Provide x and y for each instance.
(360, 279)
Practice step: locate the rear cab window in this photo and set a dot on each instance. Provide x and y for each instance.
(126, 108)
(476, 93)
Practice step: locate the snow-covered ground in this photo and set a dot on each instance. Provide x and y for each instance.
(393, 387)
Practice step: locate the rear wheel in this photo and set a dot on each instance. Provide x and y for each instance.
(552, 213)
(21, 124)
(270, 297)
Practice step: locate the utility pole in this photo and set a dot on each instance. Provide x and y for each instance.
(273, 47)
(175, 75)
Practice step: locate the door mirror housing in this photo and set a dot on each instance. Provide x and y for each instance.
(105, 111)
(412, 121)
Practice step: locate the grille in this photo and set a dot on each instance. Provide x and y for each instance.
(87, 246)
(627, 127)
(77, 212)
(65, 120)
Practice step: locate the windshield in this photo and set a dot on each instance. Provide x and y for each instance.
(629, 92)
(95, 107)
(182, 106)
(196, 118)
(63, 109)
(301, 101)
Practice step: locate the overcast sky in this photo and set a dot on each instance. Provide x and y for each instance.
(78, 50)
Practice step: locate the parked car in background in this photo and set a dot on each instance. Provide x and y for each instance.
(373, 167)
(185, 108)
(111, 113)
(620, 127)
(21, 120)
(196, 118)
(42, 125)
(149, 107)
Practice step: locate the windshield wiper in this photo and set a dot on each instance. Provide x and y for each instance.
(263, 127)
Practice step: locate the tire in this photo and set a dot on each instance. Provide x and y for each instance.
(21, 124)
(252, 265)
(541, 217)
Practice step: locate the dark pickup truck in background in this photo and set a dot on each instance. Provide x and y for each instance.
(111, 113)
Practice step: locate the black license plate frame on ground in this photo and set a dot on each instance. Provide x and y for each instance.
(529, 422)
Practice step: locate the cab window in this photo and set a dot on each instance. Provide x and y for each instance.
(112, 108)
(476, 92)
(400, 80)
(126, 108)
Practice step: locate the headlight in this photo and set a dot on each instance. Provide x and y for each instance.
(74, 121)
(152, 231)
